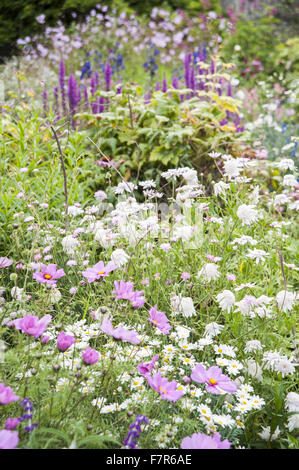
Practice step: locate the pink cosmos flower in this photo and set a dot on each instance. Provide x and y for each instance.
(64, 341)
(7, 395)
(145, 369)
(8, 439)
(217, 382)
(160, 320)
(32, 325)
(98, 271)
(48, 274)
(5, 262)
(124, 290)
(11, 423)
(167, 390)
(90, 356)
(119, 332)
(201, 441)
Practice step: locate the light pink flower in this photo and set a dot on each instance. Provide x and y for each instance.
(5, 262)
(160, 320)
(167, 390)
(119, 333)
(217, 382)
(8, 439)
(7, 395)
(201, 441)
(98, 271)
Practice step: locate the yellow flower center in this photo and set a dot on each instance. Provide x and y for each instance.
(47, 276)
(100, 272)
(212, 381)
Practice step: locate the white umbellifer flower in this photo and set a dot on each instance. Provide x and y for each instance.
(220, 188)
(289, 180)
(293, 422)
(243, 240)
(254, 196)
(213, 329)
(18, 294)
(183, 305)
(266, 434)
(184, 232)
(281, 199)
(292, 401)
(294, 205)
(190, 176)
(105, 237)
(55, 296)
(74, 210)
(247, 214)
(246, 305)
(202, 342)
(124, 186)
(119, 257)
(257, 255)
(254, 370)
(226, 300)
(147, 184)
(232, 167)
(253, 345)
(284, 366)
(209, 272)
(285, 300)
(69, 244)
(285, 164)
(182, 332)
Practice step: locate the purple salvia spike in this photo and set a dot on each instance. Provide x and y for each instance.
(164, 84)
(72, 95)
(229, 89)
(56, 103)
(175, 82)
(101, 104)
(62, 86)
(212, 68)
(45, 102)
(158, 86)
(187, 63)
(108, 73)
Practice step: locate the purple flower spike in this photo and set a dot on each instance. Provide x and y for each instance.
(108, 73)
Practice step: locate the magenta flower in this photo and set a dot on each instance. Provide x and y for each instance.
(146, 368)
(167, 390)
(90, 356)
(7, 395)
(201, 441)
(160, 320)
(98, 271)
(11, 423)
(217, 382)
(8, 439)
(119, 332)
(5, 262)
(64, 341)
(32, 325)
(124, 290)
(48, 274)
